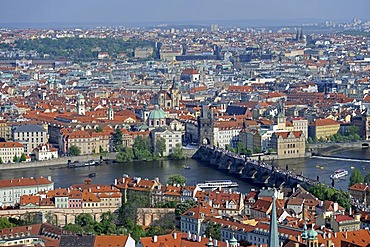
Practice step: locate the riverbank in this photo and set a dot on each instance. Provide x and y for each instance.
(55, 162)
(62, 161)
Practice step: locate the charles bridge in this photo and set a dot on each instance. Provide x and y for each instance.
(255, 171)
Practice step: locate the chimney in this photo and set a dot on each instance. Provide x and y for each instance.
(345, 235)
(215, 242)
(227, 243)
(335, 206)
(299, 238)
(195, 237)
(49, 178)
(199, 238)
(115, 181)
(335, 235)
(174, 235)
(329, 235)
(189, 235)
(155, 239)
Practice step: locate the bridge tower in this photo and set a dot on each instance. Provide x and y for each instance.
(205, 126)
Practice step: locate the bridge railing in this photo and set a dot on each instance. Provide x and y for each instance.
(262, 164)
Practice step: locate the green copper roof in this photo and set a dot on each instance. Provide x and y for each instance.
(157, 113)
(312, 234)
(80, 96)
(274, 233)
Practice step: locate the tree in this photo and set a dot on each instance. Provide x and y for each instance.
(101, 150)
(86, 221)
(74, 150)
(249, 152)
(5, 223)
(257, 150)
(125, 154)
(99, 129)
(15, 158)
(50, 218)
(241, 148)
(213, 230)
(23, 158)
(177, 153)
(75, 228)
(176, 179)
(142, 149)
(183, 207)
(309, 140)
(323, 192)
(367, 178)
(117, 138)
(1, 161)
(160, 145)
(356, 177)
(31, 218)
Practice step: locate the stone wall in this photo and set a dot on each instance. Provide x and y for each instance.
(146, 216)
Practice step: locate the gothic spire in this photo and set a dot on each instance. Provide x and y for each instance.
(273, 234)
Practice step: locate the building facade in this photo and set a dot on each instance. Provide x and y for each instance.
(11, 190)
(30, 136)
(289, 144)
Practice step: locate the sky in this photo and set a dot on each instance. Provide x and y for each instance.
(177, 11)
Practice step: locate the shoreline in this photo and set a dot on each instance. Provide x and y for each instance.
(54, 162)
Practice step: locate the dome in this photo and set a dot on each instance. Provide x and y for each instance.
(233, 241)
(312, 234)
(157, 113)
(80, 96)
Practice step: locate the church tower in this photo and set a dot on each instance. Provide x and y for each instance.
(80, 105)
(175, 96)
(110, 112)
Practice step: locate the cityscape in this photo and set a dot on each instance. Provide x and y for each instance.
(169, 125)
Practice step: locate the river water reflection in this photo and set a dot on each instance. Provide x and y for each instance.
(105, 174)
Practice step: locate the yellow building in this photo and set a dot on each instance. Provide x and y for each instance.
(5, 130)
(289, 144)
(323, 128)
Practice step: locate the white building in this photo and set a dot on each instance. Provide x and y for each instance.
(11, 190)
(172, 139)
(45, 152)
(8, 150)
(226, 133)
(31, 135)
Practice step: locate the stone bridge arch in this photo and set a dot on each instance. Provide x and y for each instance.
(251, 172)
(265, 177)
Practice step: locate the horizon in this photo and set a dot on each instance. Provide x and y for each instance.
(98, 12)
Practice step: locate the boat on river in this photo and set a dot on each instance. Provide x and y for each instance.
(92, 175)
(339, 174)
(211, 184)
(77, 164)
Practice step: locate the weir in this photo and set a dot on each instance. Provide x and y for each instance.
(256, 172)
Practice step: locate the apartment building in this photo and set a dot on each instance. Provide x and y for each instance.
(8, 150)
(30, 135)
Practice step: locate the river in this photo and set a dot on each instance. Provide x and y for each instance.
(105, 174)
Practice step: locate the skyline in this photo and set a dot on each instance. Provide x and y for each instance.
(50, 12)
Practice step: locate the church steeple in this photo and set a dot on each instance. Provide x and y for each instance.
(80, 104)
(110, 112)
(274, 233)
